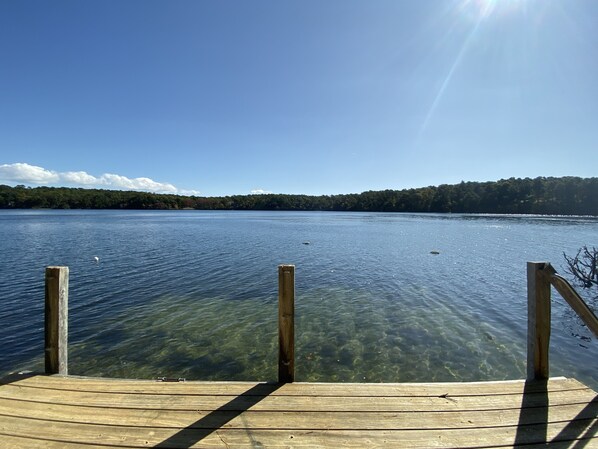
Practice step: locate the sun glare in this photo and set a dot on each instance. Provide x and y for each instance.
(482, 9)
(477, 11)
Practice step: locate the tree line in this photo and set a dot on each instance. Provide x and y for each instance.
(542, 195)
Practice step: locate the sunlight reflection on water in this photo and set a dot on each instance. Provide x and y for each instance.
(194, 294)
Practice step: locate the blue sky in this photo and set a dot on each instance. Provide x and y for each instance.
(316, 97)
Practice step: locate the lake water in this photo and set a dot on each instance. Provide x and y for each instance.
(194, 293)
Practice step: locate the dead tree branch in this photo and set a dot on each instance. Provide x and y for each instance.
(584, 267)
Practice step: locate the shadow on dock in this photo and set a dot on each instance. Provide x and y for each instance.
(585, 434)
(15, 377)
(533, 420)
(216, 419)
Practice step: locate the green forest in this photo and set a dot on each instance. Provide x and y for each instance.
(543, 195)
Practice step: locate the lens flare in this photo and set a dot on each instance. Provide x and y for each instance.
(478, 12)
(482, 9)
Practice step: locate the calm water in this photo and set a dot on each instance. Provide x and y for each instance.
(194, 294)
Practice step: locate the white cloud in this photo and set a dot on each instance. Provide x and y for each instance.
(79, 177)
(27, 173)
(187, 192)
(31, 174)
(145, 184)
(259, 192)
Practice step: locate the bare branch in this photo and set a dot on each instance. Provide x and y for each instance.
(584, 266)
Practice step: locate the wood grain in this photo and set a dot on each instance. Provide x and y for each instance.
(70, 412)
(538, 321)
(286, 323)
(56, 320)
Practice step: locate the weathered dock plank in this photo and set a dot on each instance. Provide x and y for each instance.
(70, 412)
(218, 388)
(122, 436)
(301, 420)
(280, 403)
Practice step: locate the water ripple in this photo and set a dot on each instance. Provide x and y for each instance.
(194, 294)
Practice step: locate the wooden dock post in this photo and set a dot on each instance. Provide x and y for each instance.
(286, 323)
(56, 320)
(538, 321)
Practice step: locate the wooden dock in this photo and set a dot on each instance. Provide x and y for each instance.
(69, 412)
(60, 411)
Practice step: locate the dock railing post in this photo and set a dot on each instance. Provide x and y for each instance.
(286, 323)
(538, 321)
(56, 320)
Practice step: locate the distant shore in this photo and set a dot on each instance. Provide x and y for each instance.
(544, 196)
